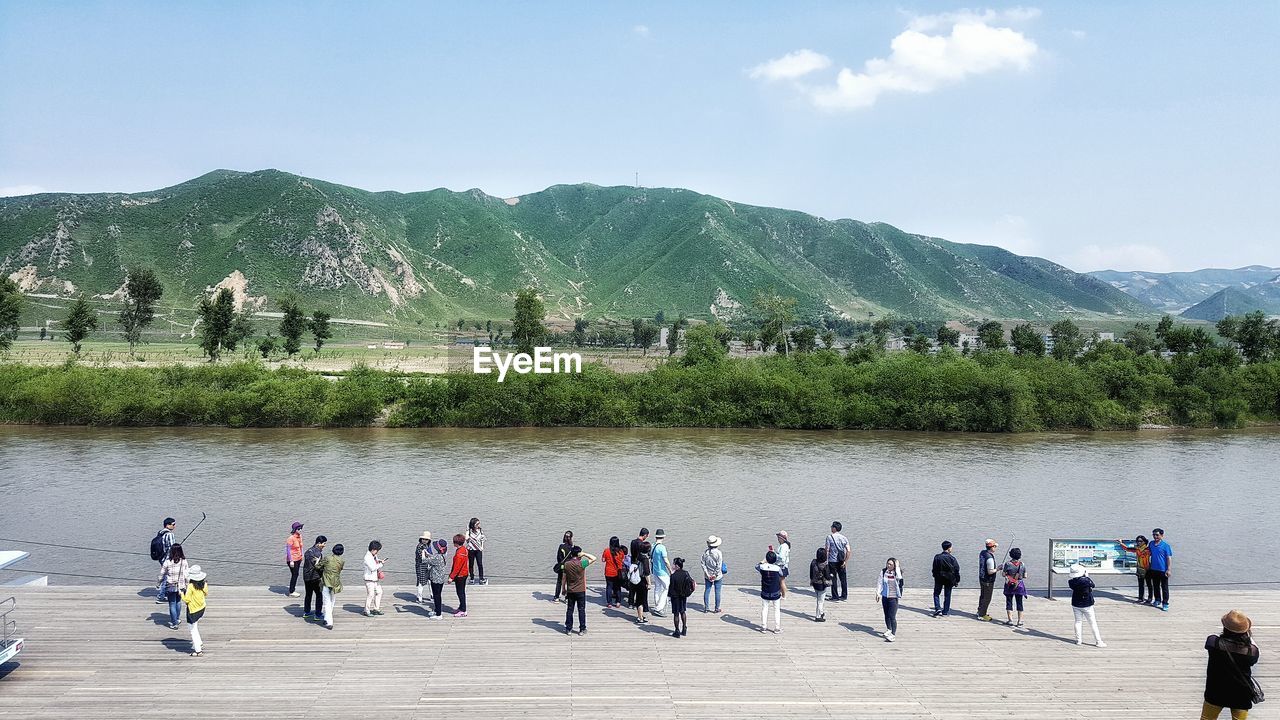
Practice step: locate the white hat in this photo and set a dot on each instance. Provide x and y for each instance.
(713, 541)
(195, 573)
(426, 535)
(1077, 570)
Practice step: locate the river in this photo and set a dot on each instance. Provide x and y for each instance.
(896, 493)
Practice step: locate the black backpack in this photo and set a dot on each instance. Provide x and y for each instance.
(157, 546)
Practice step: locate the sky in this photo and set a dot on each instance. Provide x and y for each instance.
(1101, 135)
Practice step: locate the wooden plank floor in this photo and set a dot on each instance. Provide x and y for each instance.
(103, 652)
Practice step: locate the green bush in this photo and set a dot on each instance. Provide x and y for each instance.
(1108, 387)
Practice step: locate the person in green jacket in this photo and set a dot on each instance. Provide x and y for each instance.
(330, 568)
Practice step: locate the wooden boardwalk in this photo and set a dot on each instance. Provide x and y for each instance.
(103, 652)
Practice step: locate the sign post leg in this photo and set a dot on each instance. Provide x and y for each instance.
(1049, 592)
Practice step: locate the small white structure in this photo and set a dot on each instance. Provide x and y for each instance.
(12, 557)
(393, 345)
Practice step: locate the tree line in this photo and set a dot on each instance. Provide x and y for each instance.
(222, 327)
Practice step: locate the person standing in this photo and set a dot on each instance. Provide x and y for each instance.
(838, 559)
(819, 578)
(194, 597)
(173, 582)
(612, 570)
(475, 552)
(986, 579)
(312, 581)
(161, 544)
(889, 593)
(1082, 603)
(1141, 548)
(437, 574)
(1015, 585)
(661, 572)
(682, 587)
(946, 574)
(373, 580)
(293, 556)
(420, 556)
(773, 587)
(624, 576)
(458, 574)
(784, 553)
(1228, 681)
(643, 537)
(562, 553)
(640, 572)
(713, 570)
(575, 588)
(1161, 566)
(331, 581)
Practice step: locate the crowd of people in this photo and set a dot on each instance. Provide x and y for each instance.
(644, 568)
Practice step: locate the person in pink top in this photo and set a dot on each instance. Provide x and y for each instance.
(293, 556)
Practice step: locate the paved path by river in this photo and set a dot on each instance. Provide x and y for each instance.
(103, 652)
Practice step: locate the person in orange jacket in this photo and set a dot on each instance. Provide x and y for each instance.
(458, 575)
(293, 556)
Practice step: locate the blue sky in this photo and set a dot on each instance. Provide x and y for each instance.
(1096, 134)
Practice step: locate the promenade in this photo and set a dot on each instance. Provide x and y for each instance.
(104, 652)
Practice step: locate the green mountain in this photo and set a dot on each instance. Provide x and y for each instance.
(592, 251)
(1177, 291)
(1231, 301)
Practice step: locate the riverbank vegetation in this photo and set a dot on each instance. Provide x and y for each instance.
(1107, 387)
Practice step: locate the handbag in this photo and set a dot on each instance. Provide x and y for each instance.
(1255, 690)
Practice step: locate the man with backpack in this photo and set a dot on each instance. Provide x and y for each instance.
(160, 546)
(946, 575)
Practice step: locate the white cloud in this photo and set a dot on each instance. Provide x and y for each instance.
(790, 66)
(641, 30)
(943, 21)
(16, 190)
(1079, 34)
(964, 43)
(1119, 257)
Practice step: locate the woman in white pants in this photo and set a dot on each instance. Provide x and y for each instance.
(1082, 603)
(373, 580)
(330, 568)
(773, 587)
(195, 596)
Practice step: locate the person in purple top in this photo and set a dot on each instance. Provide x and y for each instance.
(1159, 569)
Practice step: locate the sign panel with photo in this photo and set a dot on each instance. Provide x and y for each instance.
(1098, 557)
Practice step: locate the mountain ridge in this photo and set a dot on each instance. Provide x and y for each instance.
(1175, 292)
(593, 251)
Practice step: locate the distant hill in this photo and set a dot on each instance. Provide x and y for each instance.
(1176, 291)
(1231, 301)
(592, 251)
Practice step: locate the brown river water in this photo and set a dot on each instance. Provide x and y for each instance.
(900, 494)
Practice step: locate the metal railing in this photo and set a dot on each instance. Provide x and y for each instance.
(8, 628)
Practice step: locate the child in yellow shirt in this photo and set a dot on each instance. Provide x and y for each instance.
(194, 597)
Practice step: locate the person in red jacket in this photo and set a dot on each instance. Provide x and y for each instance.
(458, 575)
